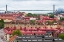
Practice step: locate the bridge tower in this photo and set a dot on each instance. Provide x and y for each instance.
(53, 9)
(6, 9)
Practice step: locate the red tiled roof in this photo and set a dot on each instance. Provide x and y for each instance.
(27, 18)
(40, 20)
(9, 18)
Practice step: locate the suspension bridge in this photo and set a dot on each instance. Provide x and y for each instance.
(28, 10)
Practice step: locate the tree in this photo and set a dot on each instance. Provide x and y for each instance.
(1, 23)
(61, 18)
(32, 21)
(34, 15)
(51, 16)
(45, 14)
(61, 36)
(62, 21)
(29, 15)
(38, 17)
(50, 23)
(17, 32)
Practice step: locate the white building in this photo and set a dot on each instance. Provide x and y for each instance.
(32, 18)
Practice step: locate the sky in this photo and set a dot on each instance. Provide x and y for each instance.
(31, 4)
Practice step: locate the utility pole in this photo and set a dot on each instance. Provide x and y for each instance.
(53, 9)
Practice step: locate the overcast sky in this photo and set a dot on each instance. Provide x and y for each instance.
(31, 4)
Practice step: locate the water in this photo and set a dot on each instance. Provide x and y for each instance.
(37, 12)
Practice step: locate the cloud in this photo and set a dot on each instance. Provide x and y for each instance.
(28, 5)
(31, 4)
(37, 0)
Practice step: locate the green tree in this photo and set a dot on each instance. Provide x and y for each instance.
(61, 36)
(34, 15)
(51, 15)
(1, 23)
(50, 23)
(17, 32)
(38, 18)
(29, 15)
(32, 21)
(61, 21)
(61, 18)
(45, 14)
